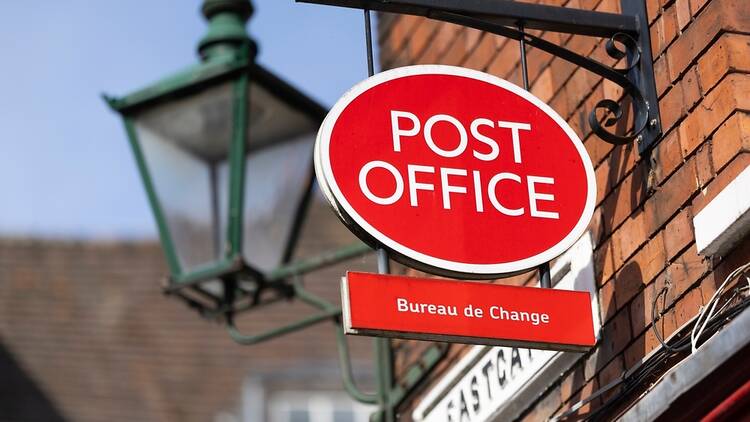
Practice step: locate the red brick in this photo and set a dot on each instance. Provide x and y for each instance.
(726, 175)
(727, 55)
(652, 9)
(578, 87)
(640, 309)
(652, 258)
(602, 174)
(670, 196)
(625, 198)
(678, 233)
(684, 272)
(594, 363)
(582, 45)
(443, 38)
(610, 6)
(597, 227)
(703, 166)
(480, 57)
(728, 96)
(667, 157)
(687, 307)
(661, 75)
(612, 90)
(641, 347)
(668, 26)
(615, 336)
(683, 13)
(587, 390)
(663, 31)
(623, 159)
(505, 60)
(697, 5)
(691, 133)
(609, 373)
(666, 323)
(630, 236)
(572, 383)
(422, 37)
(561, 71)
(607, 302)
(401, 32)
(543, 87)
(672, 107)
(537, 60)
(732, 138)
(597, 149)
(640, 270)
(604, 262)
(730, 15)
(560, 104)
(691, 90)
(545, 408)
(709, 285)
(471, 38)
(599, 53)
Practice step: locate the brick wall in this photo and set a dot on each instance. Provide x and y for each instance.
(87, 335)
(643, 221)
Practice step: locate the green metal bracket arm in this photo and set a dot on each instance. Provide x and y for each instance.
(347, 377)
(327, 309)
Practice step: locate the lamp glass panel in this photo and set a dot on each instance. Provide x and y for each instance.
(277, 171)
(276, 179)
(185, 144)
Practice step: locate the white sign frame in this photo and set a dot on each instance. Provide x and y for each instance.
(349, 215)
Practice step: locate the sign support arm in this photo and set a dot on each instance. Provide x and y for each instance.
(628, 38)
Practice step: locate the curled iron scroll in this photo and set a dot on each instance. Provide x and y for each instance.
(621, 76)
(613, 110)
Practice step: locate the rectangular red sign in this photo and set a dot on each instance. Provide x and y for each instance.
(466, 312)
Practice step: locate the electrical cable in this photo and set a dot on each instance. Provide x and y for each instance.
(710, 322)
(649, 368)
(696, 332)
(655, 318)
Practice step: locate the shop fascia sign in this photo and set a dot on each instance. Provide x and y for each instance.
(462, 174)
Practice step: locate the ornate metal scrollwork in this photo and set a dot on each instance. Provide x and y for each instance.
(628, 34)
(613, 109)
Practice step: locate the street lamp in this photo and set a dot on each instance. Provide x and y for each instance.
(224, 149)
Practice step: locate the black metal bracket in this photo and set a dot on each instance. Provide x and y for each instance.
(628, 38)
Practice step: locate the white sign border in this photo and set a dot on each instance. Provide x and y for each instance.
(331, 190)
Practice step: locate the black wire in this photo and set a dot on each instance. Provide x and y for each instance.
(655, 318)
(649, 368)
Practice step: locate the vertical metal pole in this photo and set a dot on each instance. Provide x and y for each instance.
(368, 42)
(384, 357)
(383, 351)
(544, 274)
(524, 68)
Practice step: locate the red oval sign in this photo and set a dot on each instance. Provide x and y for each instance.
(455, 171)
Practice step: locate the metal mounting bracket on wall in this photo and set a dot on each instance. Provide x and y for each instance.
(628, 38)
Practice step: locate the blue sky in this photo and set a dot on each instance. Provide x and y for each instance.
(65, 168)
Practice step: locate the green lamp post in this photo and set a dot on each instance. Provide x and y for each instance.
(224, 149)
